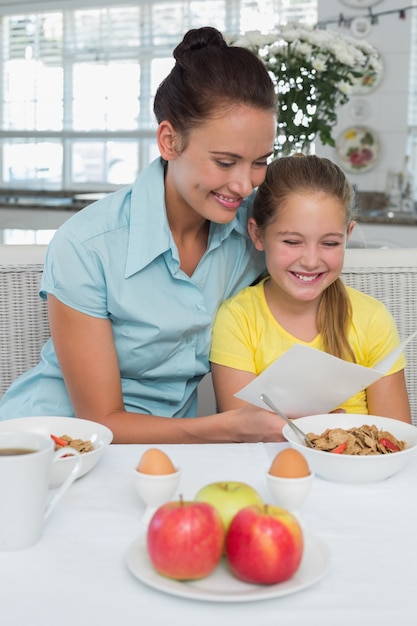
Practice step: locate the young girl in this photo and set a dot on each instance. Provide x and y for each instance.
(133, 281)
(302, 219)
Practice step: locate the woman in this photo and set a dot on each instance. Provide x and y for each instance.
(302, 219)
(133, 281)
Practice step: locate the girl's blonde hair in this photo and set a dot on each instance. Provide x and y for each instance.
(300, 173)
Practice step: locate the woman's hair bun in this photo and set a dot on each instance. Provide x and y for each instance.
(209, 76)
(197, 39)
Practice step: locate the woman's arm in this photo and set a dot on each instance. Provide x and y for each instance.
(87, 356)
(388, 397)
(227, 381)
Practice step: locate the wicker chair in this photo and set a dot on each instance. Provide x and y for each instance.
(389, 275)
(23, 315)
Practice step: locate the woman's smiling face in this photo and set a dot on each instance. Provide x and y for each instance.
(304, 247)
(222, 162)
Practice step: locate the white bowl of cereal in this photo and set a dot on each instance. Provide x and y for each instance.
(376, 461)
(92, 436)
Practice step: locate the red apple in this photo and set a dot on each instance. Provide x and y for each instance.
(228, 497)
(264, 544)
(185, 539)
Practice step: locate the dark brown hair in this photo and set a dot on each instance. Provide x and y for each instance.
(208, 76)
(300, 173)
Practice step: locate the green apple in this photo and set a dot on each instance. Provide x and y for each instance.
(228, 497)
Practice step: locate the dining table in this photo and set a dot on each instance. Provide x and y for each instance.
(80, 572)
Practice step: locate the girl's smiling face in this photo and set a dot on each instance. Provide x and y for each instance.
(304, 246)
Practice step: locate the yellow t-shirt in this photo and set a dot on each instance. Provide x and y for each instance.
(247, 337)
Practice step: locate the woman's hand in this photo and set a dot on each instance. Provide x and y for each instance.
(252, 424)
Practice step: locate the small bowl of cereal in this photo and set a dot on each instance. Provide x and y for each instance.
(89, 438)
(355, 448)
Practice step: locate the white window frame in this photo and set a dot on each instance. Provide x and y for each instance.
(144, 134)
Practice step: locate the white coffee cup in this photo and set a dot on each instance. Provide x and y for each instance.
(26, 460)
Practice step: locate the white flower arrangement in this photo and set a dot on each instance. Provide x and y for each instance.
(314, 72)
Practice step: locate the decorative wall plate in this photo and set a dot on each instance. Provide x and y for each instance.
(357, 149)
(360, 26)
(369, 81)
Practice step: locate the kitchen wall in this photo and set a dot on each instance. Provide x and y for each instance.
(384, 109)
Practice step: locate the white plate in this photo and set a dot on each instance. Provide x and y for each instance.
(99, 435)
(221, 585)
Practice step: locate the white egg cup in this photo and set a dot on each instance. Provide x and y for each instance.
(289, 493)
(155, 490)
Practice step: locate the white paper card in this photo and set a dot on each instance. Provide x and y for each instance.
(306, 381)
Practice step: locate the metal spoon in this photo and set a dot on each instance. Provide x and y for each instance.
(289, 421)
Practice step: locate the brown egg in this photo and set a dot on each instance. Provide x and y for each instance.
(289, 463)
(154, 461)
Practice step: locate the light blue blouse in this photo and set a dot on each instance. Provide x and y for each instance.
(117, 259)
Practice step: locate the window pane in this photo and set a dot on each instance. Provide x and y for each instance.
(265, 14)
(153, 151)
(99, 31)
(159, 69)
(106, 96)
(170, 20)
(110, 162)
(32, 162)
(33, 73)
(21, 236)
(203, 13)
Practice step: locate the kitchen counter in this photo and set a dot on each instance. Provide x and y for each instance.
(387, 217)
(38, 211)
(47, 200)
(44, 211)
(372, 209)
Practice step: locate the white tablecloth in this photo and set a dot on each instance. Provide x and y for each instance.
(77, 573)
